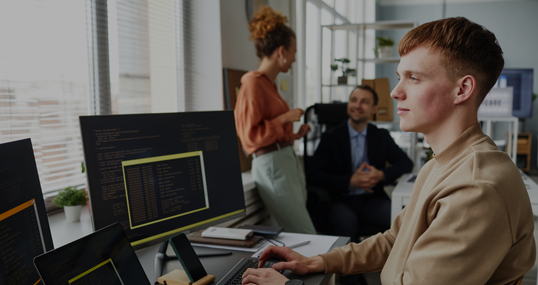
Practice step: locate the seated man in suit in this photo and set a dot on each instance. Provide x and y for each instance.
(350, 163)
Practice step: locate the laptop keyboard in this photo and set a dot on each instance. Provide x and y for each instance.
(236, 278)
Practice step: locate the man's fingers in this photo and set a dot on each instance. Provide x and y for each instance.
(250, 278)
(279, 266)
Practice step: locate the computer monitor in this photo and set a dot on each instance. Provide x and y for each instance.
(521, 79)
(103, 257)
(24, 225)
(160, 174)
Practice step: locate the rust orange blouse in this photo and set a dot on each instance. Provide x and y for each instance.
(256, 110)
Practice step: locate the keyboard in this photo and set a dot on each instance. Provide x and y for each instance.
(234, 276)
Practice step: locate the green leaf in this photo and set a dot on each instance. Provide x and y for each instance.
(70, 196)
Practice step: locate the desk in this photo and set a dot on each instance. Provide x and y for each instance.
(402, 194)
(220, 265)
(64, 232)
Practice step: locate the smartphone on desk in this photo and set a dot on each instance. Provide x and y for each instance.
(187, 256)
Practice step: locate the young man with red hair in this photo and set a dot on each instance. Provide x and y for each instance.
(469, 220)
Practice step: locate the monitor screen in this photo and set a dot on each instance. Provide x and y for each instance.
(160, 174)
(521, 79)
(24, 225)
(103, 257)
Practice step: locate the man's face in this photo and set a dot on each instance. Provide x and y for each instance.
(361, 106)
(424, 93)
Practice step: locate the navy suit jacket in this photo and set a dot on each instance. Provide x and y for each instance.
(331, 169)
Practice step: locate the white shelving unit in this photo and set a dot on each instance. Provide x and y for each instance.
(360, 45)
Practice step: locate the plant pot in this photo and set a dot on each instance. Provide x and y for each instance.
(342, 79)
(385, 51)
(72, 213)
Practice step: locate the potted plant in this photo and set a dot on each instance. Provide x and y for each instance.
(342, 64)
(385, 46)
(71, 199)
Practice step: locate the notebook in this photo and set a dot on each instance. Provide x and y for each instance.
(196, 237)
(103, 257)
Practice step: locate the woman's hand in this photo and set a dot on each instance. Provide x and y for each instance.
(291, 116)
(305, 129)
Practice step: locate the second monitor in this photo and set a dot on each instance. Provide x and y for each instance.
(160, 174)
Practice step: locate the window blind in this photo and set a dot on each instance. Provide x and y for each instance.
(44, 83)
(145, 40)
(60, 59)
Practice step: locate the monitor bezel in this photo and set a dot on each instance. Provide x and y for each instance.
(163, 237)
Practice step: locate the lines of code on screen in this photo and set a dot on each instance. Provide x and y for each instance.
(158, 174)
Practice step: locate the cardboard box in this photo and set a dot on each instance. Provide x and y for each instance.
(385, 104)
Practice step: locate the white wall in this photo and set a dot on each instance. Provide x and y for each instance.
(514, 23)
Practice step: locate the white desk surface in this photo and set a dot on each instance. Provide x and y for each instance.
(402, 193)
(64, 232)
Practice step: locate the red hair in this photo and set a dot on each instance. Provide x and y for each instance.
(269, 31)
(466, 48)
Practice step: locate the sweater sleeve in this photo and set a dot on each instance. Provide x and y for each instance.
(368, 256)
(253, 129)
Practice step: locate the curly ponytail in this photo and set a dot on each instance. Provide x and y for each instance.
(269, 31)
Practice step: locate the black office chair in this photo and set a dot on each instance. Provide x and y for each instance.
(321, 118)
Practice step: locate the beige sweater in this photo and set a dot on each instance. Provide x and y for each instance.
(469, 221)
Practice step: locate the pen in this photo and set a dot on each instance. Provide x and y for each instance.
(299, 244)
(214, 254)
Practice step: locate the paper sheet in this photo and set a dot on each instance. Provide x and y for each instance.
(318, 244)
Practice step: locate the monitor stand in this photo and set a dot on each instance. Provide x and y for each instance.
(161, 257)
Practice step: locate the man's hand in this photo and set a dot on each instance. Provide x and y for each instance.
(291, 116)
(303, 130)
(293, 261)
(263, 276)
(366, 177)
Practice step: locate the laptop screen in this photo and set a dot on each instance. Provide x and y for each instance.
(103, 257)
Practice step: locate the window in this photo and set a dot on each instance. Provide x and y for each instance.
(60, 59)
(44, 83)
(318, 54)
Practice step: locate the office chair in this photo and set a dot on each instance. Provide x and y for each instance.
(321, 118)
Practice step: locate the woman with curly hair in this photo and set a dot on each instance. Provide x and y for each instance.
(264, 124)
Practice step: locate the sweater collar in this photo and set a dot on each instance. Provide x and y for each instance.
(468, 138)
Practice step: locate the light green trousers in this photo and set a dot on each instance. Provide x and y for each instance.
(281, 183)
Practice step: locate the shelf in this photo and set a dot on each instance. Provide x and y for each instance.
(379, 26)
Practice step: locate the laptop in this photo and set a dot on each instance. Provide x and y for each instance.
(102, 257)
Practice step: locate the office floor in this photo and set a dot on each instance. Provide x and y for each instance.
(528, 279)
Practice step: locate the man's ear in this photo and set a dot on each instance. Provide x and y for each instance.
(466, 89)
